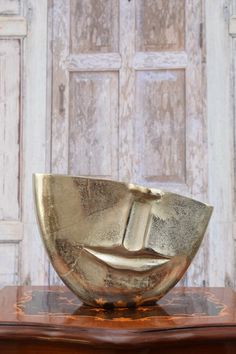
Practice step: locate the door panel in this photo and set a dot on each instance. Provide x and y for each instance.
(10, 161)
(94, 26)
(9, 271)
(160, 25)
(132, 98)
(9, 129)
(160, 126)
(93, 121)
(10, 7)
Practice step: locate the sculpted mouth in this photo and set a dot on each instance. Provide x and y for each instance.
(133, 254)
(121, 258)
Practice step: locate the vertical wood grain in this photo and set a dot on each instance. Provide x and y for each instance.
(210, 265)
(126, 90)
(10, 130)
(160, 25)
(232, 77)
(94, 26)
(93, 124)
(221, 146)
(11, 155)
(160, 126)
(196, 128)
(34, 262)
(162, 136)
(9, 270)
(10, 7)
(142, 32)
(10, 161)
(60, 120)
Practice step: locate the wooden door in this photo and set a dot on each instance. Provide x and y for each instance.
(23, 138)
(127, 95)
(12, 29)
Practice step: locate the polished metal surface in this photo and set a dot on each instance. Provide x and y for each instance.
(117, 244)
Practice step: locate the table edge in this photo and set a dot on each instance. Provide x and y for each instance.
(107, 337)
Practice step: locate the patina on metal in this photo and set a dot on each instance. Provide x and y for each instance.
(117, 244)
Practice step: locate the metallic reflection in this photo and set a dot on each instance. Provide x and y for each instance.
(117, 244)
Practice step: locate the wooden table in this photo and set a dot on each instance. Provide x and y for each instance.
(52, 320)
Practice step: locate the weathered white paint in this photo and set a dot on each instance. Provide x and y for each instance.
(160, 25)
(232, 26)
(98, 26)
(22, 143)
(11, 230)
(13, 26)
(10, 7)
(126, 90)
(144, 61)
(59, 18)
(160, 60)
(160, 136)
(93, 122)
(60, 121)
(232, 74)
(196, 127)
(9, 273)
(34, 263)
(160, 126)
(10, 130)
(221, 250)
(93, 62)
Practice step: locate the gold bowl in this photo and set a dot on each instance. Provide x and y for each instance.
(117, 244)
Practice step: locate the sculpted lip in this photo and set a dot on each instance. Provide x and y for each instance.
(121, 258)
(133, 254)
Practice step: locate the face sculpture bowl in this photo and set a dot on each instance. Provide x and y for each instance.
(117, 244)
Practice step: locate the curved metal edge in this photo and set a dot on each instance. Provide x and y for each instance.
(130, 186)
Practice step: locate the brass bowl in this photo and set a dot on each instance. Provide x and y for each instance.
(117, 244)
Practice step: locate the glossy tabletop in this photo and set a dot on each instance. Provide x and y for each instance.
(53, 316)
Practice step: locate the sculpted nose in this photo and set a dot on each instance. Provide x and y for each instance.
(140, 217)
(137, 227)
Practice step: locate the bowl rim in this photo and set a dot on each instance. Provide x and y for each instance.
(130, 185)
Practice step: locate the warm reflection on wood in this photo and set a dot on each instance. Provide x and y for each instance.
(186, 320)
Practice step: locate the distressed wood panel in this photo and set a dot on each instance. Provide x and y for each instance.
(163, 118)
(160, 25)
(9, 263)
(94, 62)
(9, 130)
(34, 261)
(11, 231)
(126, 89)
(93, 124)
(221, 54)
(160, 126)
(160, 60)
(60, 120)
(209, 267)
(13, 26)
(60, 74)
(9, 7)
(94, 26)
(196, 128)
